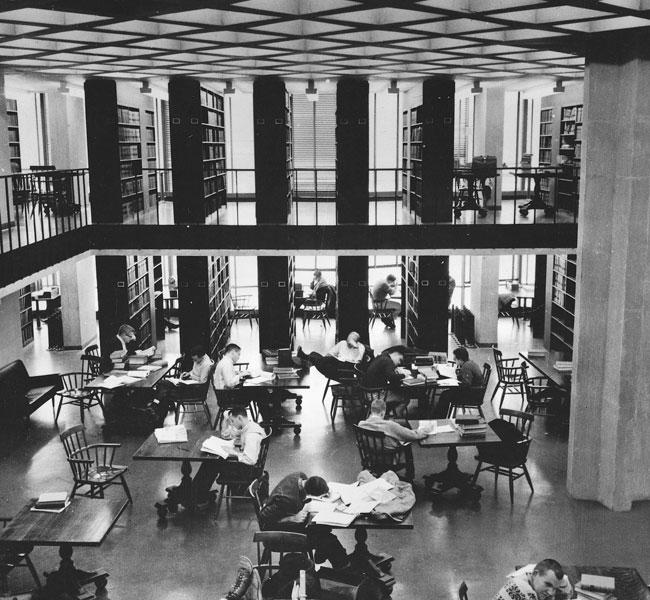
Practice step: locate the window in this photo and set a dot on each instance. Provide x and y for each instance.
(243, 278)
(306, 265)
(381, 266)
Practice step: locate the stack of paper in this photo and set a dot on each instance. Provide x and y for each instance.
(138, 374)
(447, 383)
(114, 381)
(334, 518)
(52, 502)
(261, 378)
(218, 446)
(563, 365)
(170, 435)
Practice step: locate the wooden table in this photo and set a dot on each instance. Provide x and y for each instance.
(86, 522)
(146, 383)
(300, 382)
(183, 452)
(544, 365)
(537, 203)
(629, 584)
(452, 476)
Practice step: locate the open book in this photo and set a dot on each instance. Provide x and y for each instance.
(170, 435)
(218, 446)
(178, 381)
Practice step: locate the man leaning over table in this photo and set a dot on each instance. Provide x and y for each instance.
(544, 581)
(394, 432)
(470, 379)
(247, 436)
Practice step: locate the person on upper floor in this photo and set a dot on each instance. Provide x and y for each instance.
(544, 581)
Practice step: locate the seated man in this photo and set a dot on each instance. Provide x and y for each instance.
(248, 437)
(395, 433)
(381, 373)
(283, 511)
(317, 282)
(470, 377)
(124, 344)
(382, 292)
(168, 393)
(542, 581)
(341, 358)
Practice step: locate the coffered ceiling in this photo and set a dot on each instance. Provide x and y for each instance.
(300, 39)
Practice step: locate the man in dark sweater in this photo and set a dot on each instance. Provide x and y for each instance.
(284, 511)
(470, 389)
(382, 373)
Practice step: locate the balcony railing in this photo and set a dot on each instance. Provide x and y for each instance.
(37, 205)
(40, 205)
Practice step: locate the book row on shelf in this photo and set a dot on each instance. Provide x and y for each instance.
(137, 288)
(130, 151)
(546, 128)
(12, 119)
(14, 151)
(150, 135)
(572, 113)
(128, 116)
(214, 135)
(131, 206)
(131, 186)
(211, 100)
(212, 186)
(214, 168)
(151, 151)
(213, 152)
(130, 169)
(139, 302)
(128, 134)
(211, 118)
(416, 152)
(416, 186)
(13, 135)
(416, 115)
(416, 134)
(149, 118)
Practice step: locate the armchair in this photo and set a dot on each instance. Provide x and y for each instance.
(378, 458)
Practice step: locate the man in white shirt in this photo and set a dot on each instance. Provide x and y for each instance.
(247, 436)
(168, 392)
(340, 360)
(226, 375)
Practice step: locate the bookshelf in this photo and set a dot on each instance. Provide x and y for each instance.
(213, 134)
(563, 303)
(291, 289)
(545, 150)
(151, 160)
(415, 158)
(14, 136)
(219, 303)
(159, 305)
(410, 275)
(139, 298)
(406, 153)
(25, 310)
(288, 124)
(570, 149)
(130, 150)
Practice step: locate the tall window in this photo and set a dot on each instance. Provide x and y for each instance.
(314, 144)
(306, 265)
(243, 278)
(464, 130)
(381, 266)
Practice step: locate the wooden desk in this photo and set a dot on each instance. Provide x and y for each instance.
(86, 522)
(629, 584)
(544, 365)
(183, 452)
(146, 383)
(452, 476)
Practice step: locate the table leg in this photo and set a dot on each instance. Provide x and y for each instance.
(68, 581)
(373, 565)
(178, 494)
(452, 477)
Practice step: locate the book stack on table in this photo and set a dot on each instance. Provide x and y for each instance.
(470, 426)
(54, 502)
(595, 587)
(285, 372)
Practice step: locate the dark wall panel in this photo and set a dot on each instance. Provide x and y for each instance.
(274, 320)
(352, 299)
(193, 308)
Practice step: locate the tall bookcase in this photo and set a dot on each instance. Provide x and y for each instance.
(14, 136)
(159, 305)
(406, 153)
(151, 162)
(545, 150)
(288, 125)
(570, 149)
(214, 150)
(291, 290)
(563, 303)
(139, 298)
(415, 158)
(219, 303)
(410, 274)
(26, 320)
(130, 148)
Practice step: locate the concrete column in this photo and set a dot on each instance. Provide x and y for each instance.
(484, 298)
(609, 447)
(78, 289)
(489, 109)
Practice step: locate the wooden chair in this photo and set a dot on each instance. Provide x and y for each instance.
(378, 458)
(73, 393)
(90, 366)
(345, 395)
(242, 309)
(473, 397)
(543, 396)
(92, 350)
(462, 591)
(227, 399)
(92, 464)
(231, 484)
(510, 378)
(509, 456)
(258, 492)
(370, 394)
(12, 557)
(278, 543)
(196, 399)
(316, 308)
(379, 310)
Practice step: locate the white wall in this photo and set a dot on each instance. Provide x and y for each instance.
(78, 302)
(385, 123)
(11, 347)
(66, 122)
(30, 150)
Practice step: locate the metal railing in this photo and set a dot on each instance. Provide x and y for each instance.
(42, 204)
(37, 205)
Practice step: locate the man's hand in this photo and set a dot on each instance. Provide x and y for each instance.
(185, 375)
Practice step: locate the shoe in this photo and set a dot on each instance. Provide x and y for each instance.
(301, 355)
(242, 580)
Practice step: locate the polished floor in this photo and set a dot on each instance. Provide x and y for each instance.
(192, 557)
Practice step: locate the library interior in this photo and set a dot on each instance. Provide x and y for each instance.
(325, 299)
